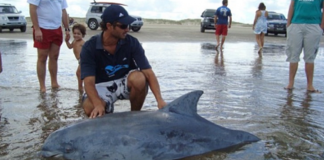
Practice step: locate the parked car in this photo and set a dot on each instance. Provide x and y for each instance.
(93, 16)
(11, 18)
(276, 23)
(207, 21)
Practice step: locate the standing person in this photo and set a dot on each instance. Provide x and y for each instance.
(79, 32)
(46, 17)
(260, 25)
(114, 66)
(221, 17)
(0, 63)
(305, 26)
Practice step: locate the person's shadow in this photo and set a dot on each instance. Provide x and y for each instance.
(219, 63)
(257, 67)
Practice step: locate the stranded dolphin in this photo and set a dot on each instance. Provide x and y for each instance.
(173, 132)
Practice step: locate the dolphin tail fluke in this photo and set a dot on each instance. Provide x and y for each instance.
(186, 104)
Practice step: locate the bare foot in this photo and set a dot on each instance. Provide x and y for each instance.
(81, 89)
(260, 50)
(217, 47)
(313, 90)
(43, 90)
(55, 86)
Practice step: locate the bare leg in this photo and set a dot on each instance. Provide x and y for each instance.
(52, 64)
(257, 38)
(78, 74)
(309, 69)
(217, 39)
(41, 67)
(223, 40)
(262, 39)
(292, 73)
(138, 90)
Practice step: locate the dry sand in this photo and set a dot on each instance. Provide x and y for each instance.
(172, 32)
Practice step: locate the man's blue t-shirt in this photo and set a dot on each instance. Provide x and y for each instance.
(222, 14)
(96, 61)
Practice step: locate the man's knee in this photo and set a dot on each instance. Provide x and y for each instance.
(136, 78)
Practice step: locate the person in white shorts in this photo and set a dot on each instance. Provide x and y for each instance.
(304, 29)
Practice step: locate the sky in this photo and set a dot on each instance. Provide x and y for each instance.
(242, 10)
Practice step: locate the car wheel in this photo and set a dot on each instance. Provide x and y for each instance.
(0, 29)
(286, 35)
(276, 34)
(93, 24)
(202, 29)
(11, 29)
(136, 29)
(23, 29)
(266, 34)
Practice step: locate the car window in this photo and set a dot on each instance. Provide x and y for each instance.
(8, 9)
(97, 9)
(209, 13)
(276, 17)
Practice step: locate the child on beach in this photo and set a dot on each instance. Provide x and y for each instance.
(79, 32)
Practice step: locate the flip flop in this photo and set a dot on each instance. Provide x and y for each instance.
(289, 89)
(314, 91)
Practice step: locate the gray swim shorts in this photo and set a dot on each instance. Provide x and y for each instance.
(111, 91)
(303, 37)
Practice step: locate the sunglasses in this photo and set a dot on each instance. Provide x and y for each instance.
(122, 26)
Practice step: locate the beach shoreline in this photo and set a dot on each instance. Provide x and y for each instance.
(168, 31)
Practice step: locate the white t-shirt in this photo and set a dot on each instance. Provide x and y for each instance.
(49, 12)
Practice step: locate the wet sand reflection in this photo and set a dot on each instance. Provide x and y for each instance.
(241, 91)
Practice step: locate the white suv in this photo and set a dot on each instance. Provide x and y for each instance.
(11, 18)
(93, 16)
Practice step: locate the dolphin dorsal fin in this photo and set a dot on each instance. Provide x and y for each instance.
(186, 104)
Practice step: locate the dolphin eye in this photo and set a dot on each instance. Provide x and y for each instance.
(68, 148)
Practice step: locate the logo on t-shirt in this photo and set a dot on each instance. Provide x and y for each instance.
(111, 70)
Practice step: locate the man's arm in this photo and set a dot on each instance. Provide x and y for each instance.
(215, 20)
(230, 21)
(34, 19)
(154, 86)
(65, 23)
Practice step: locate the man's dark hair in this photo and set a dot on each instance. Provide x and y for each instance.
(224, 2)
(104, 27)
(262, 6)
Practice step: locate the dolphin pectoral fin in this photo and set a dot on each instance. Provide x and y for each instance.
(186, 104)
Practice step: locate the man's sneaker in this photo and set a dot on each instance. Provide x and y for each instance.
(109, 107)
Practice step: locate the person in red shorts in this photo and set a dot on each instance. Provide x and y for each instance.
(223, 21)
(47, 18)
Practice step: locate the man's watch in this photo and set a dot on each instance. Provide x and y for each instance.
(67, 29)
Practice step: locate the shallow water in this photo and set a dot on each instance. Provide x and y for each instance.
(241, 91)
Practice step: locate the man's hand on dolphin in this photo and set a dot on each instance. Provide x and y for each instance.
(161, 104)
(97, 111)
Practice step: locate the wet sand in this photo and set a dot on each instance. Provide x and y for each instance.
(241, 91)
